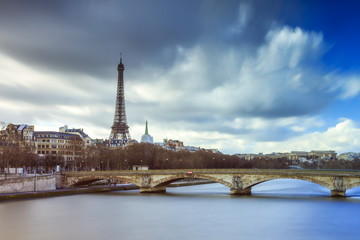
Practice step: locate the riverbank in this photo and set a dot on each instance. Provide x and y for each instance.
(98, 189)
(63, 192)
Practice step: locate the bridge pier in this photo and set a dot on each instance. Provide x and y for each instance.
(338, 193)
(246, 191)
(338, 189)
(237, 187)
(153, 189)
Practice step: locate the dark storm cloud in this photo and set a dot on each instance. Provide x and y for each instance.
(87, 36)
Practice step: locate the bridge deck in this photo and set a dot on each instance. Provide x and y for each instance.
(222, 171)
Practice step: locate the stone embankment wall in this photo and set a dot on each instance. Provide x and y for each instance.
(28, 184)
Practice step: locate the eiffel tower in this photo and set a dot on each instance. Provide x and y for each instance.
(120, 129)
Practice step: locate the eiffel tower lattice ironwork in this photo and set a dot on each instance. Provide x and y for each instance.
(120, 128)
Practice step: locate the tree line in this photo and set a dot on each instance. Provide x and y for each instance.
(101, 157)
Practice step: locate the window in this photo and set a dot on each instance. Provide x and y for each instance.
(53, 146)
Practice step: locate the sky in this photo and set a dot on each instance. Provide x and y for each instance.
(237, 76)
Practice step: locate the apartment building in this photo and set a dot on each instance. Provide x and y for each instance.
(65, 147)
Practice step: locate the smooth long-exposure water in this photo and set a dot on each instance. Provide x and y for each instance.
(279, 209)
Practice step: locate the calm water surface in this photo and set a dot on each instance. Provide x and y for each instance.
(279, 209)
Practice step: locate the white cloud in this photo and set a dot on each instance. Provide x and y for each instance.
(343, 137)
(351, 87)
(244, 14)
(287, 48)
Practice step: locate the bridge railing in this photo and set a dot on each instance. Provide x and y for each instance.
(224, 171)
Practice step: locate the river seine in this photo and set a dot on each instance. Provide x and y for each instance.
(279, 209)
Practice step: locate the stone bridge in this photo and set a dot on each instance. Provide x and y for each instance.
(239, 181)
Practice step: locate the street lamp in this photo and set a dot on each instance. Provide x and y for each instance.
(167, 164)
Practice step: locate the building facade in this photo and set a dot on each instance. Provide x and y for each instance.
(298, 155)
(325, 155)
(64, 148)
(78, 131)
(18, 132)
(173, 145)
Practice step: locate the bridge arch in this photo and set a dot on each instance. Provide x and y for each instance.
(163, 182)
(85, 180)
(352, 184)
(265, 178)
(290, 186)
